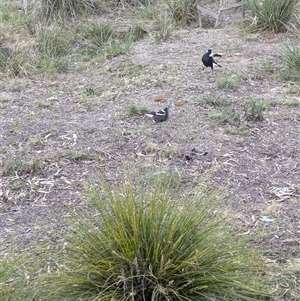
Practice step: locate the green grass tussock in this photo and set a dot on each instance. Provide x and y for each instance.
(60, 10)
(291, 59)
(137, 242)
(183, 12)
(272, 15)
(253, 110)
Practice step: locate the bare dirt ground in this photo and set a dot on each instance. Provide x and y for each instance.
(51, 146)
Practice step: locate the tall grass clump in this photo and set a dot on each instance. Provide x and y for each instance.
(54, 42)
(291, 59)
(272, 15)
(183, 12)
(104, 39)
(164, 29)
(55, 47)
(136, 241)
(60, 10)
(15, 59)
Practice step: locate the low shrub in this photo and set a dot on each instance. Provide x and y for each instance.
(253, 110)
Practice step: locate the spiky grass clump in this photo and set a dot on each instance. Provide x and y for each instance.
(291, 59)
(59, 10)
(253, 110)
(164, 29)
(183, 12)
(135, 109)
(272, 15)
(137, 243)
(225, 115)
(105, 38)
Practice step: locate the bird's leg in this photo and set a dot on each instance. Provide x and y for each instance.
(216, 63)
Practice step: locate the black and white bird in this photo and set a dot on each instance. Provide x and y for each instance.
(159, 116)
(208, 60)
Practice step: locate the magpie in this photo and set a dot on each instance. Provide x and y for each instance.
(159, 116)
(208, 60)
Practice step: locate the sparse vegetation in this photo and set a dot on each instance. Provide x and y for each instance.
(228, 82)
(43, 104)
(18, 166)
(225, 115)
(74, 155)
(253, 110)
(49, 45)
(135, 109)
(72, 73)
(216, 100)
(240, 130)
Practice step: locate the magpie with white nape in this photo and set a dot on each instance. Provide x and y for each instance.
(208, 60)
(159, 116)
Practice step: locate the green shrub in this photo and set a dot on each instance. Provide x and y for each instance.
(136, 241)
(270, 14)
(253, 110)
(291, 59)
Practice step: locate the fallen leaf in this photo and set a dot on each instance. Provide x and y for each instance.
(159, 98)
(179, 103)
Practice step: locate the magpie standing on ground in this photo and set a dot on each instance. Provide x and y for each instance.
(208, 60)
(159, 116)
